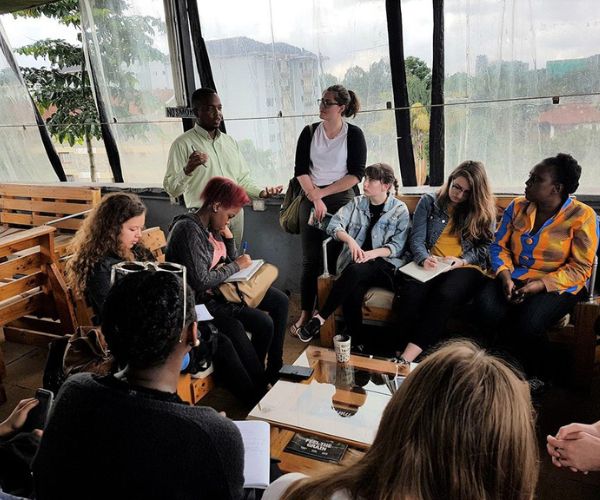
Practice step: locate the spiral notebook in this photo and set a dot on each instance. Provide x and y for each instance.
(420, 273)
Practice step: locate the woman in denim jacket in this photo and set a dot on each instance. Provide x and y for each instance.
(374, 228)
(456, 226)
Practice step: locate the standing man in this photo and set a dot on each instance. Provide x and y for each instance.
(204, 152)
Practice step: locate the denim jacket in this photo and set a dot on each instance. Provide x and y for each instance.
(429, 221)
(391, 230)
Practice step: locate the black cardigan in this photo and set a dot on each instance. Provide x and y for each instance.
(357, 151)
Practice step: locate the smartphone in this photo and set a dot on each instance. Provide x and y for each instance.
(36, 418)
(293, 372)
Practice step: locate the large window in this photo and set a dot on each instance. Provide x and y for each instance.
(508, 53)
(128, 49)
(23, 156)
(272, 58)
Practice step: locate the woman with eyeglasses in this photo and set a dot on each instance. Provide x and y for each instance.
(204, 244)
(454, 226)
(110, 234)
(129, 435)
(542, 257)
(330, 162)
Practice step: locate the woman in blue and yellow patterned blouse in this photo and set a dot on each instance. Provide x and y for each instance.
(542, 256)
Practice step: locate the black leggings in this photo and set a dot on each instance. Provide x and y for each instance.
(350, 288)
(244, 363)
(424, 308)
(312, 253)
(520, 328)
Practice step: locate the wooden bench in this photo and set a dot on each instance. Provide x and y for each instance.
(35, 307)
(23, 206)
(579, 334)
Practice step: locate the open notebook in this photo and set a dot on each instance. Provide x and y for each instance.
(257, 455)
(420, 273)
(246, 274)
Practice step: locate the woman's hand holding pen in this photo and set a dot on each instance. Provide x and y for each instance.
(243, 261)
(196, 159)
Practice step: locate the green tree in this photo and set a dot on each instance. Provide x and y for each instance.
(63, 88)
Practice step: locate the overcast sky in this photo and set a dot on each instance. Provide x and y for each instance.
(349, 32)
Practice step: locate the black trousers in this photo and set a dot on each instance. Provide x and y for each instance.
(312, 239)
(350, 288)
(424, 308)
(243, 363)
(520, 329)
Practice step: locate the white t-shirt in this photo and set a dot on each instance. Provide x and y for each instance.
(277, 488)
(329, 156)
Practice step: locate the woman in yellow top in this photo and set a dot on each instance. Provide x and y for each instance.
(542, 256)
(455, 226)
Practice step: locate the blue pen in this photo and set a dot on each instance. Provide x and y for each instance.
(244, 247)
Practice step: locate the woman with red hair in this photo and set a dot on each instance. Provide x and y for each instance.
(203, 242)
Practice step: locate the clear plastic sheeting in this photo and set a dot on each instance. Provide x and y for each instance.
(127, 47)
(510, 54)
(23, 157)
(274, 58)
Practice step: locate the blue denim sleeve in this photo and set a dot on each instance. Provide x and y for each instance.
(341, 219)
(419, 229)
(397, 242)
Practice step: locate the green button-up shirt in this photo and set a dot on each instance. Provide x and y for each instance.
(224, 159)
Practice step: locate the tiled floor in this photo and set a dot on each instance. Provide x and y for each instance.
(25, 365)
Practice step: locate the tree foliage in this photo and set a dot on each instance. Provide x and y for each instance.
(63, 88)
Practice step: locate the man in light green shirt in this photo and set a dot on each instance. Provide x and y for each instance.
(216, 153)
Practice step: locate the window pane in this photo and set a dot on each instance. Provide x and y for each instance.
(277, 56)
(23, 155)
(504, 50)
(127, 43)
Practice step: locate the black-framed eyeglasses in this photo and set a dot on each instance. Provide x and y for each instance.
(460, 189)
(124, 268)
(327, 103)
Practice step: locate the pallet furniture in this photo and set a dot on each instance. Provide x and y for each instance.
(580, 332)
(35, 307)
(24, 206)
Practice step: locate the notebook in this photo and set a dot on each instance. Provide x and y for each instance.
(246, 274)
(420, 273)
(256, 436)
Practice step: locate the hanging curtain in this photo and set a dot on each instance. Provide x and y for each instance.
(24, 157)
(127, 50)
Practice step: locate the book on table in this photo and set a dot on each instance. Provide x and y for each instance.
(315, 447)
(256, 436)
(419, 273)
(247, 273)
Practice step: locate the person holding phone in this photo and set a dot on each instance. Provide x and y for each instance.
(330, 162)
(18, 444)
(374, 230)
(129, 435)
(203, 242)
(454, 225)
(542, 257)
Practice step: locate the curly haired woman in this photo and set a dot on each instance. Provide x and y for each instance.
(110, 234)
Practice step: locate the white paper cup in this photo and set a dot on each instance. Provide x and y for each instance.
(341, 344)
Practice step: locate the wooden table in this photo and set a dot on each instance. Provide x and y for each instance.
(351, 393)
